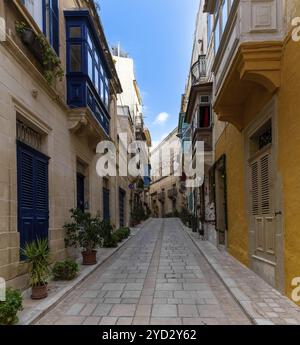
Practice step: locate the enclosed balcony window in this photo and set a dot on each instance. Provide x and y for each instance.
(224, 14)
(88, 74)
(75, 32)
(46, 15)
(217, 35)
(209, 28)
(75, 56)
(204, 116)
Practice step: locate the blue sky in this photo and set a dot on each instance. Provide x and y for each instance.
(158, 35)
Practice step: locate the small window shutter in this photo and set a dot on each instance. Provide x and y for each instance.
(255, 188)
(260, 183)
(54, 24)
(26, 171)
(265, 184)
(41, 188)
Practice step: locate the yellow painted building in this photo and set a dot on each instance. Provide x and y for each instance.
(254, 60)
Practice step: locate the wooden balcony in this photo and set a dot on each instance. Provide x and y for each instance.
(203, 134)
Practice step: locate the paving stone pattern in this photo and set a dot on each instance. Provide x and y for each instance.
(158, 278)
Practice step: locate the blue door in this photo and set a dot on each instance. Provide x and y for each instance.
(33, 194)
(106, 212)
(80, 192)
(122, 196)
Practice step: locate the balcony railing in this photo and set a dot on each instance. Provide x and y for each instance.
(182, 187)
(139, 122)
(172, 193)
(198, 70)
(161, 196)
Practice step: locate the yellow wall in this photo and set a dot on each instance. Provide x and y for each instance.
(289, 157)
(231, 143)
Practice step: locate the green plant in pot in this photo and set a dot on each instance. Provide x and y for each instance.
(65, 270)
(10, 307)
(26, 33)
(38, 258)
(42, 50)
(84, 232)
(110, 239)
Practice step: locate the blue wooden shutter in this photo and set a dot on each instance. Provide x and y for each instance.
(25, 195)
(122, 196)
(41, 197)
(54, 24)
(80, 192)
(106, 211)
(33, 194)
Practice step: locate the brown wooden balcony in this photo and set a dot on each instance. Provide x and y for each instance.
(203, 134)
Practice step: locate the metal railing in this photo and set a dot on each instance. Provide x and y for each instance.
(172, 193)
(198, 70)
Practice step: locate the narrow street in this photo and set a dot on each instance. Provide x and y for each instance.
(159, 277)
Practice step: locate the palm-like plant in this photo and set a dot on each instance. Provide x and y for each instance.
(37, 256)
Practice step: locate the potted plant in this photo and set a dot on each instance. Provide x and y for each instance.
(65, 270)
(110, 238)
(42, 51)
(37, 256)
(84, 232)
(10, 307)
(26, 33)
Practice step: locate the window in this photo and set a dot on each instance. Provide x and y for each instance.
(204, 118)
(87, 71)
(90, 44)
(46, 15)
(99, 78)
(90, 66)
(261, 139)
(224, 14)
(75, 32)
(75, 57)
(217, 35)
(209, 28)
(35, 8)
(96, 79)
(222, 11)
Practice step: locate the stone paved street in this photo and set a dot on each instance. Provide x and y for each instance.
(159, 277)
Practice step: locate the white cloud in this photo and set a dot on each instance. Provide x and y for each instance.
(161, 118)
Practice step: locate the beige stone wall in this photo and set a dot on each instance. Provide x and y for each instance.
(49, 116)
(166, 184)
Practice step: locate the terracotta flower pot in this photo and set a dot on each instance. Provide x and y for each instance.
(39, 292)
(89, 257)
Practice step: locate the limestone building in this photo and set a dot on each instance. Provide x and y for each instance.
(167, 191)
(250, 53)
(53, 114)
